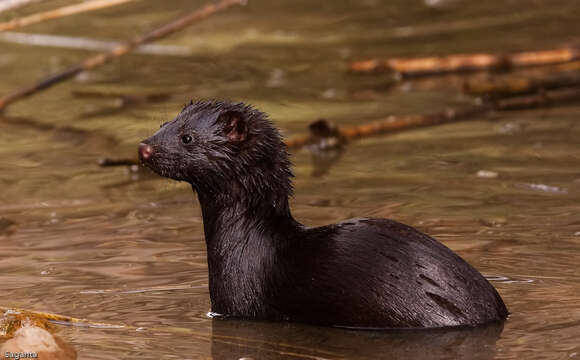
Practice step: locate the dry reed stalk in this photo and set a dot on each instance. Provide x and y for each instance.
(465, 62)
(58, 13)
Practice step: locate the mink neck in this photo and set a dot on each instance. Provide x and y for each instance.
(238, 217)
(245, 242)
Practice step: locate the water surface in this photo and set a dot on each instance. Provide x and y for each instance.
(127, 248)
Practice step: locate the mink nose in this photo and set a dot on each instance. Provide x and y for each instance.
(145, 151)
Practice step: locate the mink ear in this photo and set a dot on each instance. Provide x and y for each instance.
(235, 127)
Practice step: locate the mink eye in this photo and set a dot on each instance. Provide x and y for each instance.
(186, 139)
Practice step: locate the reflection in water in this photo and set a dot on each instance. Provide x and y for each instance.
(322, 162)
(234, 339)
(326, 146)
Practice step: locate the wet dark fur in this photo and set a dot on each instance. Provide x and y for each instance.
(263, 264)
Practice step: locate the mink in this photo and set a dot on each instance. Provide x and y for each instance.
(264, 265)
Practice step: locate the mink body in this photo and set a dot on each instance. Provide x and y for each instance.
(263, 264)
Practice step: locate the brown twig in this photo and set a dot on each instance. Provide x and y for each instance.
(465, 62)
(396, 123)
(399, 123)
(119, 50)
(107, 162)
(544, 98)
(60, 12)
(518, 85)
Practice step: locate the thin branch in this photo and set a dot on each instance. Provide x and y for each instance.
(465, 62)
(107, 162)
(119, 50)
(518, 85)
(60, 12)
(399, 123)
(393, 124)
(544, 98)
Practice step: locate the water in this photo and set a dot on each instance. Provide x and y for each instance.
(127, 248)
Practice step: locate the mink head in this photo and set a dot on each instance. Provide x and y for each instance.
(221, 148)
